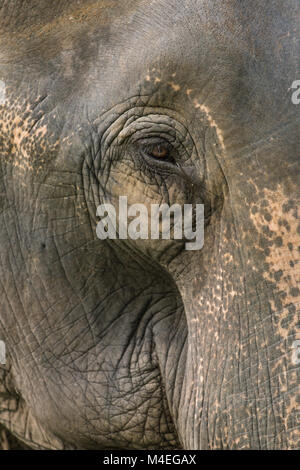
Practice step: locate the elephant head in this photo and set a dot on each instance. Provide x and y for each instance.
(123, 343)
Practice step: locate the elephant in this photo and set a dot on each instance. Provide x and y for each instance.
(141, 343)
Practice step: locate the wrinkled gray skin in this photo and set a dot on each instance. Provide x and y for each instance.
(142, 344)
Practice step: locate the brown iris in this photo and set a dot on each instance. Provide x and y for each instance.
(159, 152)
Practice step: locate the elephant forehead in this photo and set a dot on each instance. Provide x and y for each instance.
(199, 56)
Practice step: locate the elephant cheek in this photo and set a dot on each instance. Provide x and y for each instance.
(241, 385)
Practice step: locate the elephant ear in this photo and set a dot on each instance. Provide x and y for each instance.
(9, 442)
(18, 426)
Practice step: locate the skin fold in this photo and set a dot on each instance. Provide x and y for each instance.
(140, 344)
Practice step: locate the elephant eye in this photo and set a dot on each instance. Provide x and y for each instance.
(161, 153)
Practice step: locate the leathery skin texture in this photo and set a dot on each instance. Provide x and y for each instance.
(141, 344)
